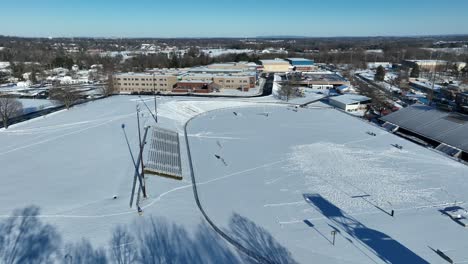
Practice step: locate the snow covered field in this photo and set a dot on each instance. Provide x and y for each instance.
(297, 174)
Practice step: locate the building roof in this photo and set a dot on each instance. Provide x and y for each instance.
(299, 59)
(195, 81)
(214, 70)
(350, 98)
(428, 61)
(275, 61)
(446, 127)
(145, 74)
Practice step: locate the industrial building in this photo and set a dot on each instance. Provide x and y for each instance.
(350, 102)
(445, 131)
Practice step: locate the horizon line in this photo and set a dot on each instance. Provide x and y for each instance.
(244, 37)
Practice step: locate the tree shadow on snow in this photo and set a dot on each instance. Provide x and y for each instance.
(258, 240)
(25, 239)
(382, 245)
(162, 242)
(82, 252)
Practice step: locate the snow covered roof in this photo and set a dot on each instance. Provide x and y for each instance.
(445, 127)
(275, 61)
(350, 99)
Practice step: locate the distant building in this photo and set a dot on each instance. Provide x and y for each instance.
(301, 64)
(460, 65)
(276, 65)
(375, 65)
(228, 81)
(350, 102)
(144, 82)
(244, 66)
(194, 86)
(235, 75)
(424, 85)
(320, 80)
(427, 64)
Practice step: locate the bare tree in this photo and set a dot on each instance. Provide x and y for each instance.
(289, 87)
(9, 107)
(66, 95)
(109, 88)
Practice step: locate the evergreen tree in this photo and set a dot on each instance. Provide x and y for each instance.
(175, 62)
(33, 77)
(415, 71)
(380, 74)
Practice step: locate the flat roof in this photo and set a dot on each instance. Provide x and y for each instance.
(194, 81)
(299, 59)
(145, 74)
(275, 61)
(201, 75)
(350, 98)
(428, 61)
(213, 70)
(333, 77)
(446, 127)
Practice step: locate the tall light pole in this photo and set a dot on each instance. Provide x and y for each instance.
(155, 103)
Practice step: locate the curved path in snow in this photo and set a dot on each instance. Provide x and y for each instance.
(232, 241)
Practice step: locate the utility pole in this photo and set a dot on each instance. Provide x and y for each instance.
(141, 143)
(434, 77)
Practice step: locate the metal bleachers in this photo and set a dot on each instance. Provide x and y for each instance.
(164, 154)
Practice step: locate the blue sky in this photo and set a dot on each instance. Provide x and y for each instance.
(231, 18)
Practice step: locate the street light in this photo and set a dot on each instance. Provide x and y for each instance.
(155, 103)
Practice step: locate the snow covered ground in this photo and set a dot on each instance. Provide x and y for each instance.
(328, 155)
(298, 174)
(33, 105)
